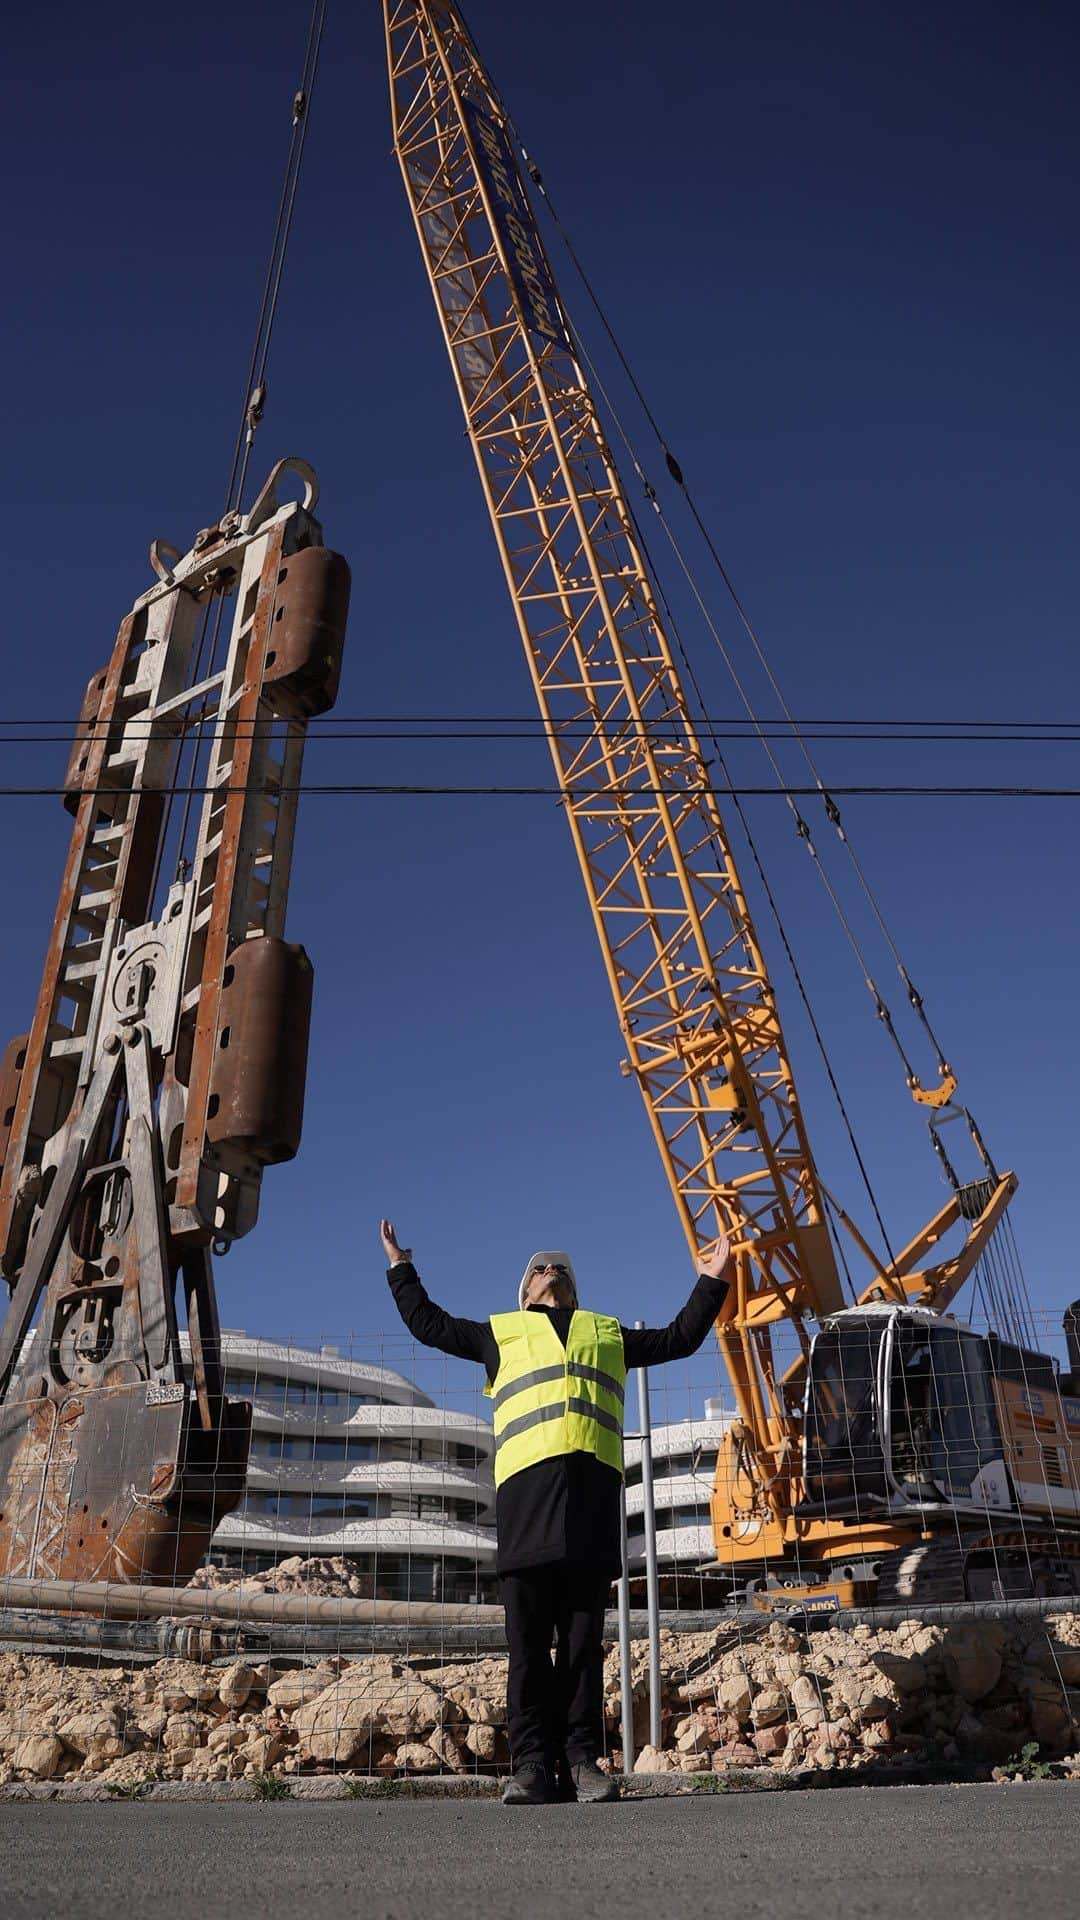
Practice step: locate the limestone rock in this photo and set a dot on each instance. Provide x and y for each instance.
(862, 1690)
(235, 1685)
(482, 1741)
(828, 1744)
(416, 1757)
(445, 1749)
(906, 1671)
(735, 1754)
(733, 1697)
(478, 1708)
(972, 1660)
(262, 1752)
(95, 1737)
(185, 1682)
(654, 1760)
(182, 1730)
(714, 1727)
(690, 1739)
(787, 1668)
(770, 1704)
(38, 1754)
(224, 1738)
(704, 1686)
(341, 1723)
(296, 1689)
(876, 1735)
(806, 1701)
(915, 1639)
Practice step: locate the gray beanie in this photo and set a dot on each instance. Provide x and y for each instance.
(547, 1257)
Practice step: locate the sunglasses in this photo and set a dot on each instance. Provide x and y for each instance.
(564, 1271)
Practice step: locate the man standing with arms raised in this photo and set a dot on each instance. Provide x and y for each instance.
(557, 1374)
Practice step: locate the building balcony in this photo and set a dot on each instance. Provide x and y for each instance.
(432, 1539)
(679, 1490)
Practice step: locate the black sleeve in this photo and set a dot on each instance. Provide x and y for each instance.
(433, 1327)
(650, 1346)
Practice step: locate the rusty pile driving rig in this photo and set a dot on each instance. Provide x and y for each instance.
(165, 1065)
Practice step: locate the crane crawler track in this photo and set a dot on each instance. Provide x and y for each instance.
(983, 1564)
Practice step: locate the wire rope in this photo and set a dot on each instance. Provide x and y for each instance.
(770, 896)
(195, 740)
(255, 385)
(826, 795)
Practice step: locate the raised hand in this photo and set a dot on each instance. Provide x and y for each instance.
(713, 1264)
(392, 1250)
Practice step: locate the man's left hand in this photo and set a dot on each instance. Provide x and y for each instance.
(712, 1264)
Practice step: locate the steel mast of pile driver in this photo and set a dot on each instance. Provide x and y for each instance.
(691, 987)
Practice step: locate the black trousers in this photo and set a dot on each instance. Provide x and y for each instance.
(555, 1707)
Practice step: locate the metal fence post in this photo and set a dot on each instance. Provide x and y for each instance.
(652, 1584)
(626, 1679)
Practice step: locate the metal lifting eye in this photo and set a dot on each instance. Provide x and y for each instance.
(161, 552)
(267, 501)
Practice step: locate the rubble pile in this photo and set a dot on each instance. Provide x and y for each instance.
(180, 1720)
(333, 1576)
(968, 1697)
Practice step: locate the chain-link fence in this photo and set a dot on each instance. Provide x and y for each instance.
(342, 1612)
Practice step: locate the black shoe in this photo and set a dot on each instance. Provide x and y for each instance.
(530, 1787)
(591, 1784)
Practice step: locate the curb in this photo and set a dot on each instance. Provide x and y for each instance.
(356, 1787)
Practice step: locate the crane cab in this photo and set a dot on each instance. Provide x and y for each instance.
(915, 1415)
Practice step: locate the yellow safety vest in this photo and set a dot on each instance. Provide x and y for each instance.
(551, 1399)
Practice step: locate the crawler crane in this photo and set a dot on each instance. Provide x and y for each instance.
(165, 1065)
(897, 1450)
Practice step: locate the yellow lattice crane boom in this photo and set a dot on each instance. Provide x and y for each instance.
(695, 1004)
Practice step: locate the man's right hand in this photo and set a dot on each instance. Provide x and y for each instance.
(392, 1250)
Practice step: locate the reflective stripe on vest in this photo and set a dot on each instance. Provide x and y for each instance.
(551, 1400)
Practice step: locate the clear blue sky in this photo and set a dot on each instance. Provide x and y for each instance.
(839, 243)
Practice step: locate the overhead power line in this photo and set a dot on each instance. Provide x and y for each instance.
(626, 796)
(466, 729)
(941, 728)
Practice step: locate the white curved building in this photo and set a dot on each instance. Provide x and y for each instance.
(353, 1459)
(684, 1468)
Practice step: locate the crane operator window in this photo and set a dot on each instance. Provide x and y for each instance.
(944, 1427)
(843, 1461)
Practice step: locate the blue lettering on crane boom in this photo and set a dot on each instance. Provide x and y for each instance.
(529, 273)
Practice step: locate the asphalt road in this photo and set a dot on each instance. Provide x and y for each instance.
(935, 1853)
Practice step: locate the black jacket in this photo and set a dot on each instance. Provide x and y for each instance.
(566, 1509)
